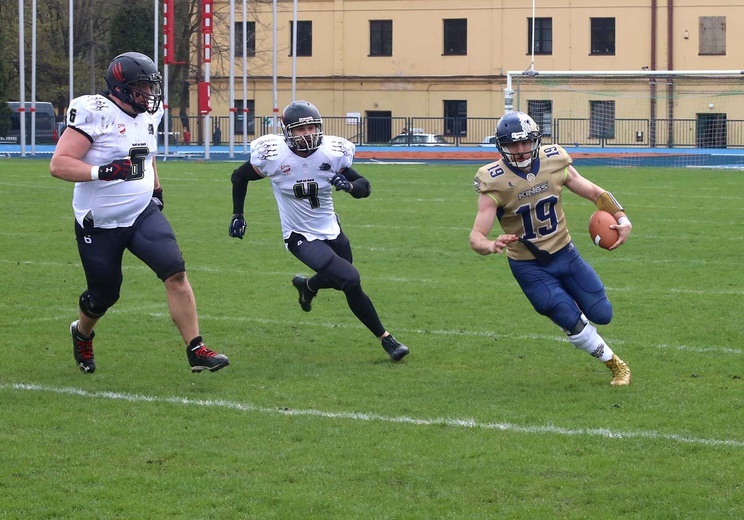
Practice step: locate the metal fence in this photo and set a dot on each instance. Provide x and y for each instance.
(475, 131)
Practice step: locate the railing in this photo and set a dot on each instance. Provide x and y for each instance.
(472, 131)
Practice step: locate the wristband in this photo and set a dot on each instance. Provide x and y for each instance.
(94, 173)
(623, 221)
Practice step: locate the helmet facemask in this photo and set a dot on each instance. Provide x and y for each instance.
(509, 151)
(304, 142)
(144, 96)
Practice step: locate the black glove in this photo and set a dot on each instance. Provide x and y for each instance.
(237, 226)
(157, 198)
(118, 170)
(341, 183)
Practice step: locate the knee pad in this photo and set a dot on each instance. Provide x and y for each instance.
(601, 312)
(564, 315)
(91, 307)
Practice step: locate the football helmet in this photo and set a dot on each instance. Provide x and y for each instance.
(516, 127)
(128, 76)
(296, 115)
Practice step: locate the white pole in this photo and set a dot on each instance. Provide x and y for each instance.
(231, 120)
(274, 121)
(70, 51)
(155, 36)
(532, 45)
(245, 77)
(33, 78)
(166, 109)
(294, 49)
(22, 79)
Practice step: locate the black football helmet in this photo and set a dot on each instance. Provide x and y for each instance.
(298, 114)
(127, 74)
(515, 127)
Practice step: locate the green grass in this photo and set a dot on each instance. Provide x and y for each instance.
(493, 414)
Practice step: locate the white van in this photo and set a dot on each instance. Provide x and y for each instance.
(46, 123)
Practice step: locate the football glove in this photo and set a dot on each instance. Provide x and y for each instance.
(157, 198)
(341, 183)
(118, 170)
(237, 226)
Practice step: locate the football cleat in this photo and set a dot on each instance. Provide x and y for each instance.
(395, 349)
(620, 371)
(82, 349)
(203, 358)
(305, 295)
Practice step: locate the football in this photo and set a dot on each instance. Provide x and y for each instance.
(599, 229)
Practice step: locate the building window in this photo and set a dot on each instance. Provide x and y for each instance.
(603, 36)
(541, 110)
(455, 118)
(250, 41)
(712, 35)
(456, 37)
(380, 37)
(543, 36)
(304, 38)
(602, 120)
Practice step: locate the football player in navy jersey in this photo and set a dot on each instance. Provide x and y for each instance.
(523, 191)
(304, 166)
(108, 151)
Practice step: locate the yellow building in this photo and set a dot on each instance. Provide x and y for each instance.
(445, 63)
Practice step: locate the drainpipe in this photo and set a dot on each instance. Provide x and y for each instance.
(652, 81)
(670, 66)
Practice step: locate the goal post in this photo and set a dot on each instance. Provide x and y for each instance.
(687, 109)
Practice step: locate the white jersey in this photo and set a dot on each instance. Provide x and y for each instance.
(114, 134)
(302, 185)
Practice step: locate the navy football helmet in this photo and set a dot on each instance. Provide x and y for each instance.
(296, 115)
(516, 127)
(126, 77)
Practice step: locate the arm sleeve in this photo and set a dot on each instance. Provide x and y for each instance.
(240, 177)
(361, 187)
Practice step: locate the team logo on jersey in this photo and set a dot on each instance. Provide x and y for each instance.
(122, 129)
(325, 167)
(537, 189)
(285, 168)
(477, 184)
(151, 129)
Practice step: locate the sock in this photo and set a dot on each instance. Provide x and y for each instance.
(195, 342)
(590, 341)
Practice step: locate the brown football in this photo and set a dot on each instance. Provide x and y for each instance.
(599, 229)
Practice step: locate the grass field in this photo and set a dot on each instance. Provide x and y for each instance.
(492, 415)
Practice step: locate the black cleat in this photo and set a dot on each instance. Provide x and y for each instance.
(82, 349)
(395, 349)
(203, 358)
(306, 295)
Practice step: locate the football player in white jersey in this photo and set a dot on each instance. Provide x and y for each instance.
(304, 166)
(523, 191)
(108, 151)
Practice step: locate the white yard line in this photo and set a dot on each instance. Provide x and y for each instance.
(365, 417)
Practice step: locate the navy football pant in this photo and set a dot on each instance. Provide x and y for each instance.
(564, 289)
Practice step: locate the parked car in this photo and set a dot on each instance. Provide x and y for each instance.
(419, 140)
(488, 141)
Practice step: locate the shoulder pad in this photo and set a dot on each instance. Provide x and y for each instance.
(338, 146)
(486, 176)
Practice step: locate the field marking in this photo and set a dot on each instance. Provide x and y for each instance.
(401, 419)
